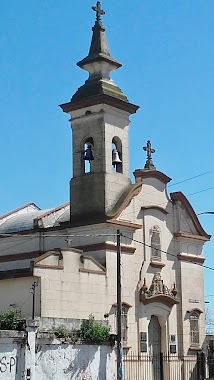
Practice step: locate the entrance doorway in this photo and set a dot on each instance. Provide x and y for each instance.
(155, 346)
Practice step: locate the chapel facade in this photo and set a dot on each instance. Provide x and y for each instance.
(70, 252)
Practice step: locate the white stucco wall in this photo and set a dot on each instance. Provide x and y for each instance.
(56, 362)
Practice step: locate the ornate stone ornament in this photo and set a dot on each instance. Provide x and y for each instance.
(158, 292)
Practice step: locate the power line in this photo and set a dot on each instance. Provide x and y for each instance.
(159, 204)
(167, 253)
(33, 236)
(190, 178)
(201, 191)
(19, 306)
(16, 245)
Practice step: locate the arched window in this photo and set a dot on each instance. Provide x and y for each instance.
(88, 155)
(117, 164)
(194, 328)
(155, 243)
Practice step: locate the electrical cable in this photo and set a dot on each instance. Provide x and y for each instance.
(56, 235)
(16, 245)
(167, 253)
(19, 306)
(190, 178)
(173, 184)
(159, 204)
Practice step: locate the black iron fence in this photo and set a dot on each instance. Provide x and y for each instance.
(168, 367)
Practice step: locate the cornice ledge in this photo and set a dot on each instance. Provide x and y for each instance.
(187, 235)
(196, 310)
(140, 174)
(162, 298)
(195, 348)
(191, 258)
(46, 266)
(92, 271)
(124, 303)
(157, 264)
(99, 99)
(125, 223)
(107, 246)
(180, 197)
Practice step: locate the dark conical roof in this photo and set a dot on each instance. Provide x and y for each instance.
(99, 49)
(99, 64)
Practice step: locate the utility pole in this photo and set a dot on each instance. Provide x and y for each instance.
(119, 311)
(33, 291)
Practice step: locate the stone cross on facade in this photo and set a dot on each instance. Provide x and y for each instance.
(98, 10)
(148, 148)
(149, 164)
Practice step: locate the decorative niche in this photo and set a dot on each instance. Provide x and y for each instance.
(155, 243)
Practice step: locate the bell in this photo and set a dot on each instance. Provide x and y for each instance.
(87, 154)
(115, 157)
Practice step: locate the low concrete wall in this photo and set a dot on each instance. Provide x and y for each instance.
(25, 357)
(76, 362)
(12, 355)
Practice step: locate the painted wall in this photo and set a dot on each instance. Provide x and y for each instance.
(9, 353)
(54, 361)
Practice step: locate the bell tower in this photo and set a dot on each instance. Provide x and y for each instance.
(99, 113)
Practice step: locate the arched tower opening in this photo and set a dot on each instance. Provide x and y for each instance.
(117, 162)
(87, 155)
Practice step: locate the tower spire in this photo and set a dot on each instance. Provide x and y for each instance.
(99, 63)
(99, 51)
(98, 43)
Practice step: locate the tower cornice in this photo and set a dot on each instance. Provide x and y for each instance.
(99, 99)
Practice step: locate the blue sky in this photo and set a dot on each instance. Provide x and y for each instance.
(166, 48)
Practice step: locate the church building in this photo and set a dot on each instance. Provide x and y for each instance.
(69, 253)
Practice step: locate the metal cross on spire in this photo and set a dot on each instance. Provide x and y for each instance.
(148, 148)
(98, 10)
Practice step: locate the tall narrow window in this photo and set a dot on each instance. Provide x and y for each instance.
(117, 164)
(155, 243)
(194, 329)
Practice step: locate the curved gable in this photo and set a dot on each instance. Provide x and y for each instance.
(180, 197)
(124, 200)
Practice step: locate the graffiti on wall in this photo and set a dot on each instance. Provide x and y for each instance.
(8, 362)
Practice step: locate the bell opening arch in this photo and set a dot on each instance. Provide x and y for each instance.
(87, 153)
(117, 155)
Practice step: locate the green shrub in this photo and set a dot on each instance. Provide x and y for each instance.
(62, 332)
(93, 332)
(11, 320)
